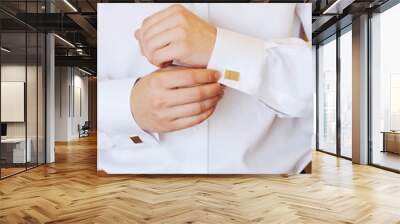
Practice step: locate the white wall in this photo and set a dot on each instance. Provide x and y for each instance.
(62, 81)
(79, 117)
(70, 83)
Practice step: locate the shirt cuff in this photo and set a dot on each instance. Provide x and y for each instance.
(277, 72)
(240, 54)
(115, 111)
(155, 135)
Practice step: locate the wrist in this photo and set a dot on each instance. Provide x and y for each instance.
(213, 38)
(134, 102)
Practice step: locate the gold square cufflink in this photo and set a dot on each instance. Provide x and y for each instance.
(232, 75)
(136, 139)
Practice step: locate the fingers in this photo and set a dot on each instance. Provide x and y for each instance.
(188, 77)
(193, 94)
(165, 54)
(192, 98)
(160, 41)
(192, 109)
(162, 26)
(137, 36)
(161, 30)
(158, 22)
(177, 35)
(159, 16)
(187, 122)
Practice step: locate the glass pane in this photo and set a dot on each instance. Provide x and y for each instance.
(327, 97)
(32, 88)
(31, 100)
(346, 93)
(23, 90)
(386, 89)
(395, 101)
(13, 86)
(41, 98)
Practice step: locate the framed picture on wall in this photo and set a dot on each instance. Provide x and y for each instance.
(204, 88)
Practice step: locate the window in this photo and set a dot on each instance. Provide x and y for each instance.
(385, 89)
(327, 97)
(394, 102)
(346, 94)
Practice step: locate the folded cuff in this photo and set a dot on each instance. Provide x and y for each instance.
(115, 111)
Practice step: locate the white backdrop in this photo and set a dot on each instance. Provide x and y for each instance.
(265, 131)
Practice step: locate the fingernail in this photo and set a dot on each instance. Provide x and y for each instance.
(216, 75)
(137, 34)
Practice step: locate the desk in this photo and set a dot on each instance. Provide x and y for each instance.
(391, 141)
(17, 151)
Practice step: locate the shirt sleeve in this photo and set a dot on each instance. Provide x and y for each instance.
(115, 112)
(277, 72)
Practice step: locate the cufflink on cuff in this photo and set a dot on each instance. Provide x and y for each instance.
(232, 75)
(136, 139)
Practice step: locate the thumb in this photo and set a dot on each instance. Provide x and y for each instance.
(137, 34)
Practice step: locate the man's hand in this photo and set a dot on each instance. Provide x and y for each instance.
(176, 34)
(169, 100)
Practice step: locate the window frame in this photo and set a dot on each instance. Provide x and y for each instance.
(334, 37)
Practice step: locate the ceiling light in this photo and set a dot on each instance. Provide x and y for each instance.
(70, 5)
(79, 51)
(5, 50)
(329, 9)
(65, 41)
(84, 71)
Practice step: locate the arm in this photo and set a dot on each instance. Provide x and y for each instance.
(277, 72)
(166, 100)
(175, 98)
(115, 113)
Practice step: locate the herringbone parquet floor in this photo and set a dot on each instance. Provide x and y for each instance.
(69, 191)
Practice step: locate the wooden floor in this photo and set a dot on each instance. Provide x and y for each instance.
(387, 159)
(5, 172)
(69, 191)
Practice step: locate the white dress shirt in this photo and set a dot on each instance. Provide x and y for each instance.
(264, 122)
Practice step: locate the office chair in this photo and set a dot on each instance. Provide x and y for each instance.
(84, 130)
